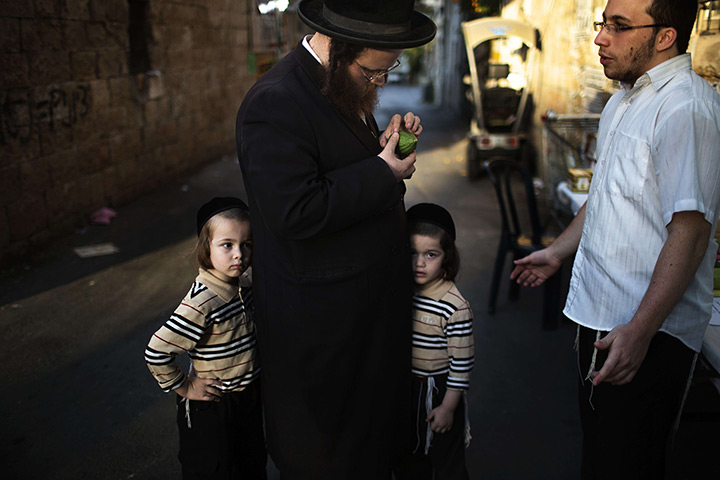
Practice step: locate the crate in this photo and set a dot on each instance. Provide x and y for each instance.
(579, 179)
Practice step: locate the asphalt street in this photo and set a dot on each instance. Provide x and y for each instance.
(79, 402)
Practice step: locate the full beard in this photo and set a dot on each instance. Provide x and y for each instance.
(349, 97)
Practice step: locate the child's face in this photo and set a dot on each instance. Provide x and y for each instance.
(230, 247)
(427, 259)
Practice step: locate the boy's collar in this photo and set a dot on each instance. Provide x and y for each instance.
(226, 290)
(435, 290)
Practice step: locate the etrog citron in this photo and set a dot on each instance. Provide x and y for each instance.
(406, 144)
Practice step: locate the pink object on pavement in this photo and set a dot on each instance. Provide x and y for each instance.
(102, 216)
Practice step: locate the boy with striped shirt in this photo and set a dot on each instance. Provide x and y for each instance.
(442, 353)
(219, 413)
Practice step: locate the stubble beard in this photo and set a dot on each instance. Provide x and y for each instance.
(638, 61)
(349, 97)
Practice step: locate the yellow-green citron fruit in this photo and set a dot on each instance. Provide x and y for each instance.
(406, 143)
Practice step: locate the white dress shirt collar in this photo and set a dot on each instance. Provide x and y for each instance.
(306, 44)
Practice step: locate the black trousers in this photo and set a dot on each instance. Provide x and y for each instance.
(446, 457)
(626, 428)
(225, 440)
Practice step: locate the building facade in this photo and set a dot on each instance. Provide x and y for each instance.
(569, 78)
(103, 100)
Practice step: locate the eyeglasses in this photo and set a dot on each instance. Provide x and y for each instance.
(613, 29)
(379, 74)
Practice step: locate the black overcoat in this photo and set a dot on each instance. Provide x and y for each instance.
(332, 278)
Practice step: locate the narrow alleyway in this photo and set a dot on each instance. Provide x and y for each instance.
(80, 403)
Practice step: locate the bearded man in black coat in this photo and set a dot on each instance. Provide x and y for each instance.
(331, 262)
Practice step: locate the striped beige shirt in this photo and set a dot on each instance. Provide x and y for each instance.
(443, 340)
(214, 326)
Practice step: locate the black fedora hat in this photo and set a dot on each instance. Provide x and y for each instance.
(389, 24)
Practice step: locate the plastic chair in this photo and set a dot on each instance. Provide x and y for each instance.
(503, 173)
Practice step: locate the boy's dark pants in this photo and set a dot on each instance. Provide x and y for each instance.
(446, 457)
(226, 440)
(625, 435)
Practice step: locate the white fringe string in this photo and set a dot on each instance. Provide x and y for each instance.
(676, 424)
(417, 422)
(468, 437)
(187, 401)
(187, 412)
(592, 368)
(428, 408)
(576, 347)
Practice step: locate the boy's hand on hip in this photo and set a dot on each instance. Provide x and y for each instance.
(202, 389)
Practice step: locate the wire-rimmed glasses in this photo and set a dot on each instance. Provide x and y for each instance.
(378, 74)
(614, 29)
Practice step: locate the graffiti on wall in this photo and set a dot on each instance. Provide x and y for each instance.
(21, 114)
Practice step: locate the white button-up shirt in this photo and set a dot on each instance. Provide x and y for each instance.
(658, 153)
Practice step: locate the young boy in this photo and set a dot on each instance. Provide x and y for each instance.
(219, 414)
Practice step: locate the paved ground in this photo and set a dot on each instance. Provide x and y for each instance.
(79, 402)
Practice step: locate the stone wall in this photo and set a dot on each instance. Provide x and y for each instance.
(705, 44)
(103, 100)
(568, 77)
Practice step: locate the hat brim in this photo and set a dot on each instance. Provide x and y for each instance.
(422, 29)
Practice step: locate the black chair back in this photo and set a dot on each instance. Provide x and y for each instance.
(501, 172)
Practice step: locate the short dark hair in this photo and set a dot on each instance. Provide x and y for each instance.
(201, 254)
(342, 53)
(679, 14)
(451, 262)
(337, 84)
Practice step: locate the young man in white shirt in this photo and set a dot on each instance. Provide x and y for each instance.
(641, 288)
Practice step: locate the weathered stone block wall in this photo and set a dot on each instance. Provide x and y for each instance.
(568, 77)
(705, 44)
(102, 100)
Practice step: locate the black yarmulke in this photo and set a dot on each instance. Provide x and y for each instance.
(432, 214)
(215, 206)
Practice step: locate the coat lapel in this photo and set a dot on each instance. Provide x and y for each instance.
(367, 134)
